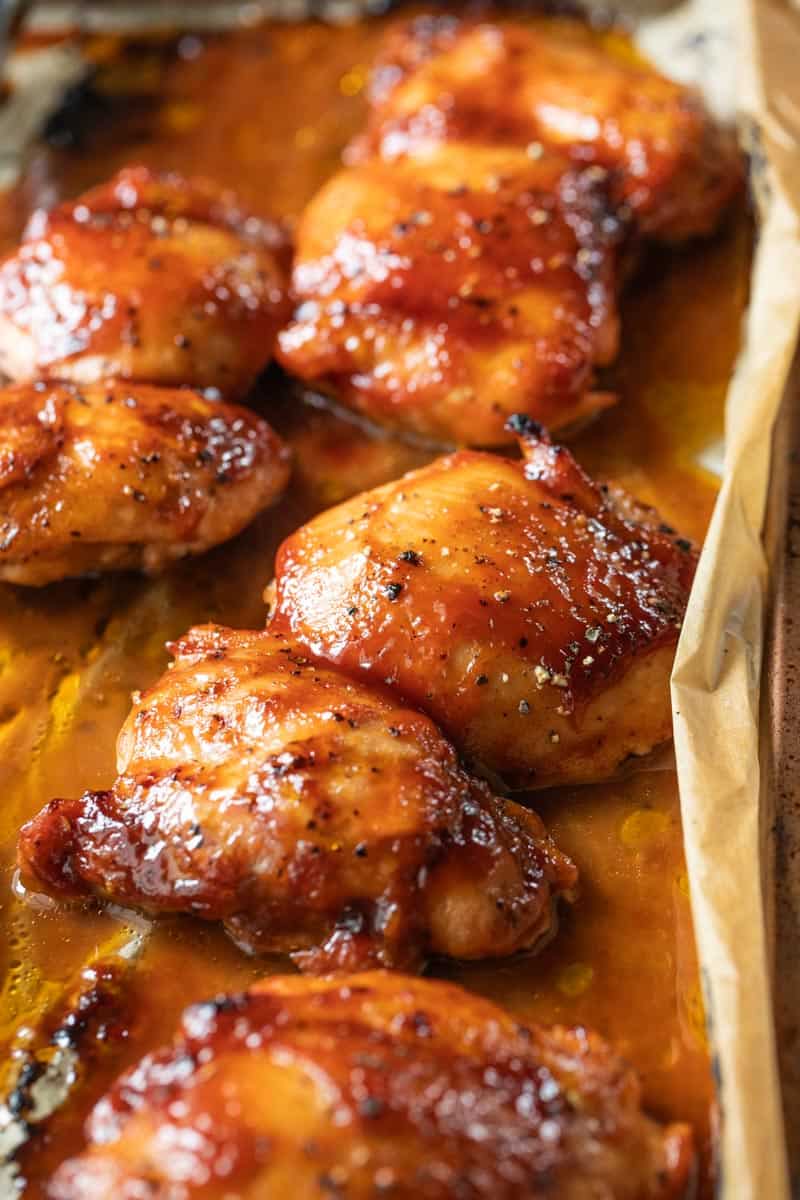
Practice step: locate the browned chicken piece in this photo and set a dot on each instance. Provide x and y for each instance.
(117, 476)
(375, 1085)
(148, 277)
(560, 87)
(530, 612)
(441, 297)
(309, 812)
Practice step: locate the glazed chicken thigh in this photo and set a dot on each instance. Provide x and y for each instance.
(116, 476)
(308, 812)
(372, 1085)
(466, 266)
(441, 296)
(442, 79)
(148, 277)
(533, 614)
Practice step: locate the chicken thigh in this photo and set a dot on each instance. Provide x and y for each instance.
(148, 277)
(374, 1085)
(308, 812)
(439, 297)
(442, 79)
(533, 614)
(120, 476)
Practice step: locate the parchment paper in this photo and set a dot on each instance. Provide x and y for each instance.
(716, 681)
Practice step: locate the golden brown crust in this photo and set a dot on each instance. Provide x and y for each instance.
(528, 611)
(441, 296)
(466, 266)
(442, 79)
(370, 1085)
(308, 812)
(115, 476)
(148, 277)
(31, 432)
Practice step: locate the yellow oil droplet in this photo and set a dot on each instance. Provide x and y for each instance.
(696, 1013)
(672, 1053)
(153, 647)
(620, 46)
(181, 117)
(683, 884)
(10, 721)
(685, 406)
(248, 143)
(102, 48)
(575, 979)
(25, 995)
(306, 137)
(353, 82)
(64, 704)
(643, 826)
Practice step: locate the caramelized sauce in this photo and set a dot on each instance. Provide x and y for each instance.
(267, 111)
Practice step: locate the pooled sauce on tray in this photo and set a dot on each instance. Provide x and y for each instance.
(267, 111)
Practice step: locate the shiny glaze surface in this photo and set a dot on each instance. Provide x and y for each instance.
(149, 277)
(310, 813)
(116, 476)
(623, 962)
(533, 614)
(469, 267)
(370, 1084)
(444, 78)
(440, 296)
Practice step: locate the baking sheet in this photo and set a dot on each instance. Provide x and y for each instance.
(716, 682)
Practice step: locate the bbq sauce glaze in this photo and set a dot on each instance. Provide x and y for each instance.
(267, 110)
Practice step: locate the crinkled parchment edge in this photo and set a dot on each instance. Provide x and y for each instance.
(717, 677)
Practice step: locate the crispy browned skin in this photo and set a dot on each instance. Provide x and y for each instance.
(375, 1085)
(441, 296)
(147, 277)
(443, 79)
(533, 614)
(309, 812)
(114, 476)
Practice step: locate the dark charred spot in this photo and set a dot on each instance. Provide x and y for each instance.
(20, 1099)
(328, 1184)
(525, 427)
(351, 921)
(371, 1107)
(421, 1024)
(224, 1003)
